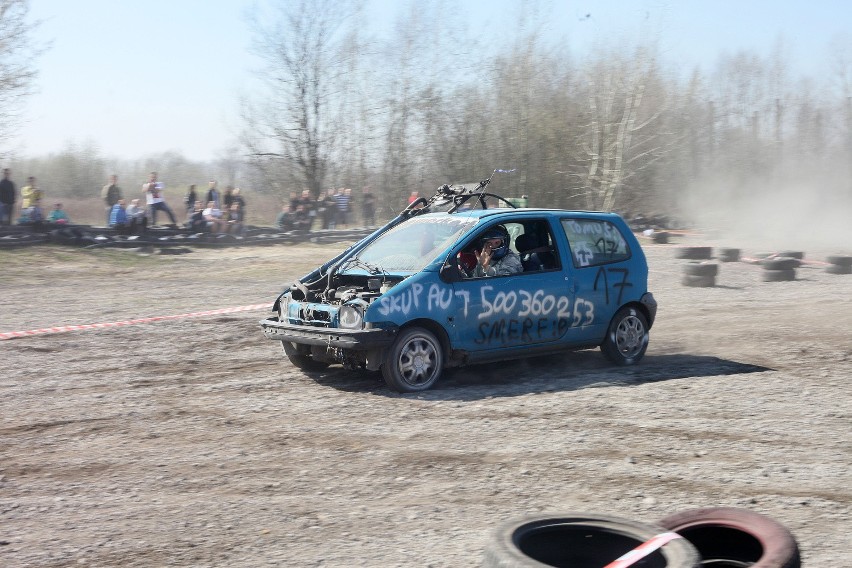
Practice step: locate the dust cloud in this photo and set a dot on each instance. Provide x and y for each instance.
(806, 213)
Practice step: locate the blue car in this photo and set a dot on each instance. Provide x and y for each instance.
(465, 277)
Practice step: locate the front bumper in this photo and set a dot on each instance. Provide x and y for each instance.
(356, 339)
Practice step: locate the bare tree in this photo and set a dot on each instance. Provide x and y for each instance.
(290, 128)
(17, 55)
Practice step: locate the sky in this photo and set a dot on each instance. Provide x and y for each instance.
(140, 78)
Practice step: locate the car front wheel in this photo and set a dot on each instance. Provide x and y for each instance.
(627, 337)
(414, 362)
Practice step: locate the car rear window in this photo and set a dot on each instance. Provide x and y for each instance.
(595, 242)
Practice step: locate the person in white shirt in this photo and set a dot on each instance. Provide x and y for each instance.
(213, 216)
(154, 198)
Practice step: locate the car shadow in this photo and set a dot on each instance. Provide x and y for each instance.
(562, 372)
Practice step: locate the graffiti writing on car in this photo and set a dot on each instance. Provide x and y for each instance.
(602, 276)
(437, 297)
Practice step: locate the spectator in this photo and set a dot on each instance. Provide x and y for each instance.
(328, 205)
(343, 198)
(189, 200)
(413, 197)
(238, 198)
(30, 193)
(213, 217)
(227, 198)
(7, 198)
(32, 215)
(195, 220)
(234, 222)
(118, 216)
(301, 219)
(284, 221)
(58, 216)
(137, 221)
(368, 207)
(111, 193)
(155, 201)
(213, 193)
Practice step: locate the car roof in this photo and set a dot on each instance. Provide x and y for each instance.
(523, 211)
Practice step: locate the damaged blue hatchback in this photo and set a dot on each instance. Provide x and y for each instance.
(465, 277)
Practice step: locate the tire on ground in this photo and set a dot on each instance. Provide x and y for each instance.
(701, 269)
(660, 237)
(414, 362)
(300, 356)
(839, 260)
(729, 255)
(695, 253)
(627, 337)
(782, 275)
(698, 281)
(791, 254)
(838, 269)
(580, 540)
(780, 263)
(726, 536)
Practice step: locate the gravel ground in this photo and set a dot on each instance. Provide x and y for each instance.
(193, 442)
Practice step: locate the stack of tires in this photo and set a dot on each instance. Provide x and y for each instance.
(719, 537)
(839, 264)
(701, 274)
(781, 267)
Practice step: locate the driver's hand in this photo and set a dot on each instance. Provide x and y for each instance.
(484, 258)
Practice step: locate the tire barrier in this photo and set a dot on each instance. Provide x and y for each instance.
(694, 253)
(729, 255)
(731, 537)
(90, 237)
(700, 274)
(660, 237)
(839, 264)
(580, 540)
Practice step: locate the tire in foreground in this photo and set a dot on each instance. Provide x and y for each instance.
(580, 540)
(728, 537)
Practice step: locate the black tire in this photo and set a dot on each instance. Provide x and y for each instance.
(729, 255)
(701, 269)
(791, 254)
(660, 237)
(779, 275)
(727, 537)
(839, 260)
(838, 269)
(300, 356)
(579, 540)
(698, 281)
(780, 263)
(627, 337)
(695, 253)
(414, 362)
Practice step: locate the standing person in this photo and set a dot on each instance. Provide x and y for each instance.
(111, 193)
(227, 198)
(30, 193)
(343, 197)
(238, 198)
(189, 199)
(329, 209)
(368, 207)
(415, 195)
(213, 193)
(7, 198)
(155, 201)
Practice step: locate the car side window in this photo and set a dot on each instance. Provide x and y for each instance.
(594, 242)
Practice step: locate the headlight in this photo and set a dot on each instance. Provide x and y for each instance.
(351, 317)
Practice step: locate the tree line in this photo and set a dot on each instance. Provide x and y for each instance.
(618, 129)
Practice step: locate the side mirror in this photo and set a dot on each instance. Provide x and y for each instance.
(450, 272)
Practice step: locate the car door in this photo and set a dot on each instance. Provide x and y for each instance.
(526, 309)
(600, 258)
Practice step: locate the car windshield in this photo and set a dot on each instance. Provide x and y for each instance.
(414, 244)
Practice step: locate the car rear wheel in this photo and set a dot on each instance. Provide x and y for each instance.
(414, 362)
(301, 358)
(627, 337)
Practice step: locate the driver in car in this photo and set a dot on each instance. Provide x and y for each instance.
(495, 257)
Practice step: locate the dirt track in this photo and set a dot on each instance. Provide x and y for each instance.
(194, 443)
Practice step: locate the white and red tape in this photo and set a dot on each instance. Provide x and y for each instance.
(106, 325)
